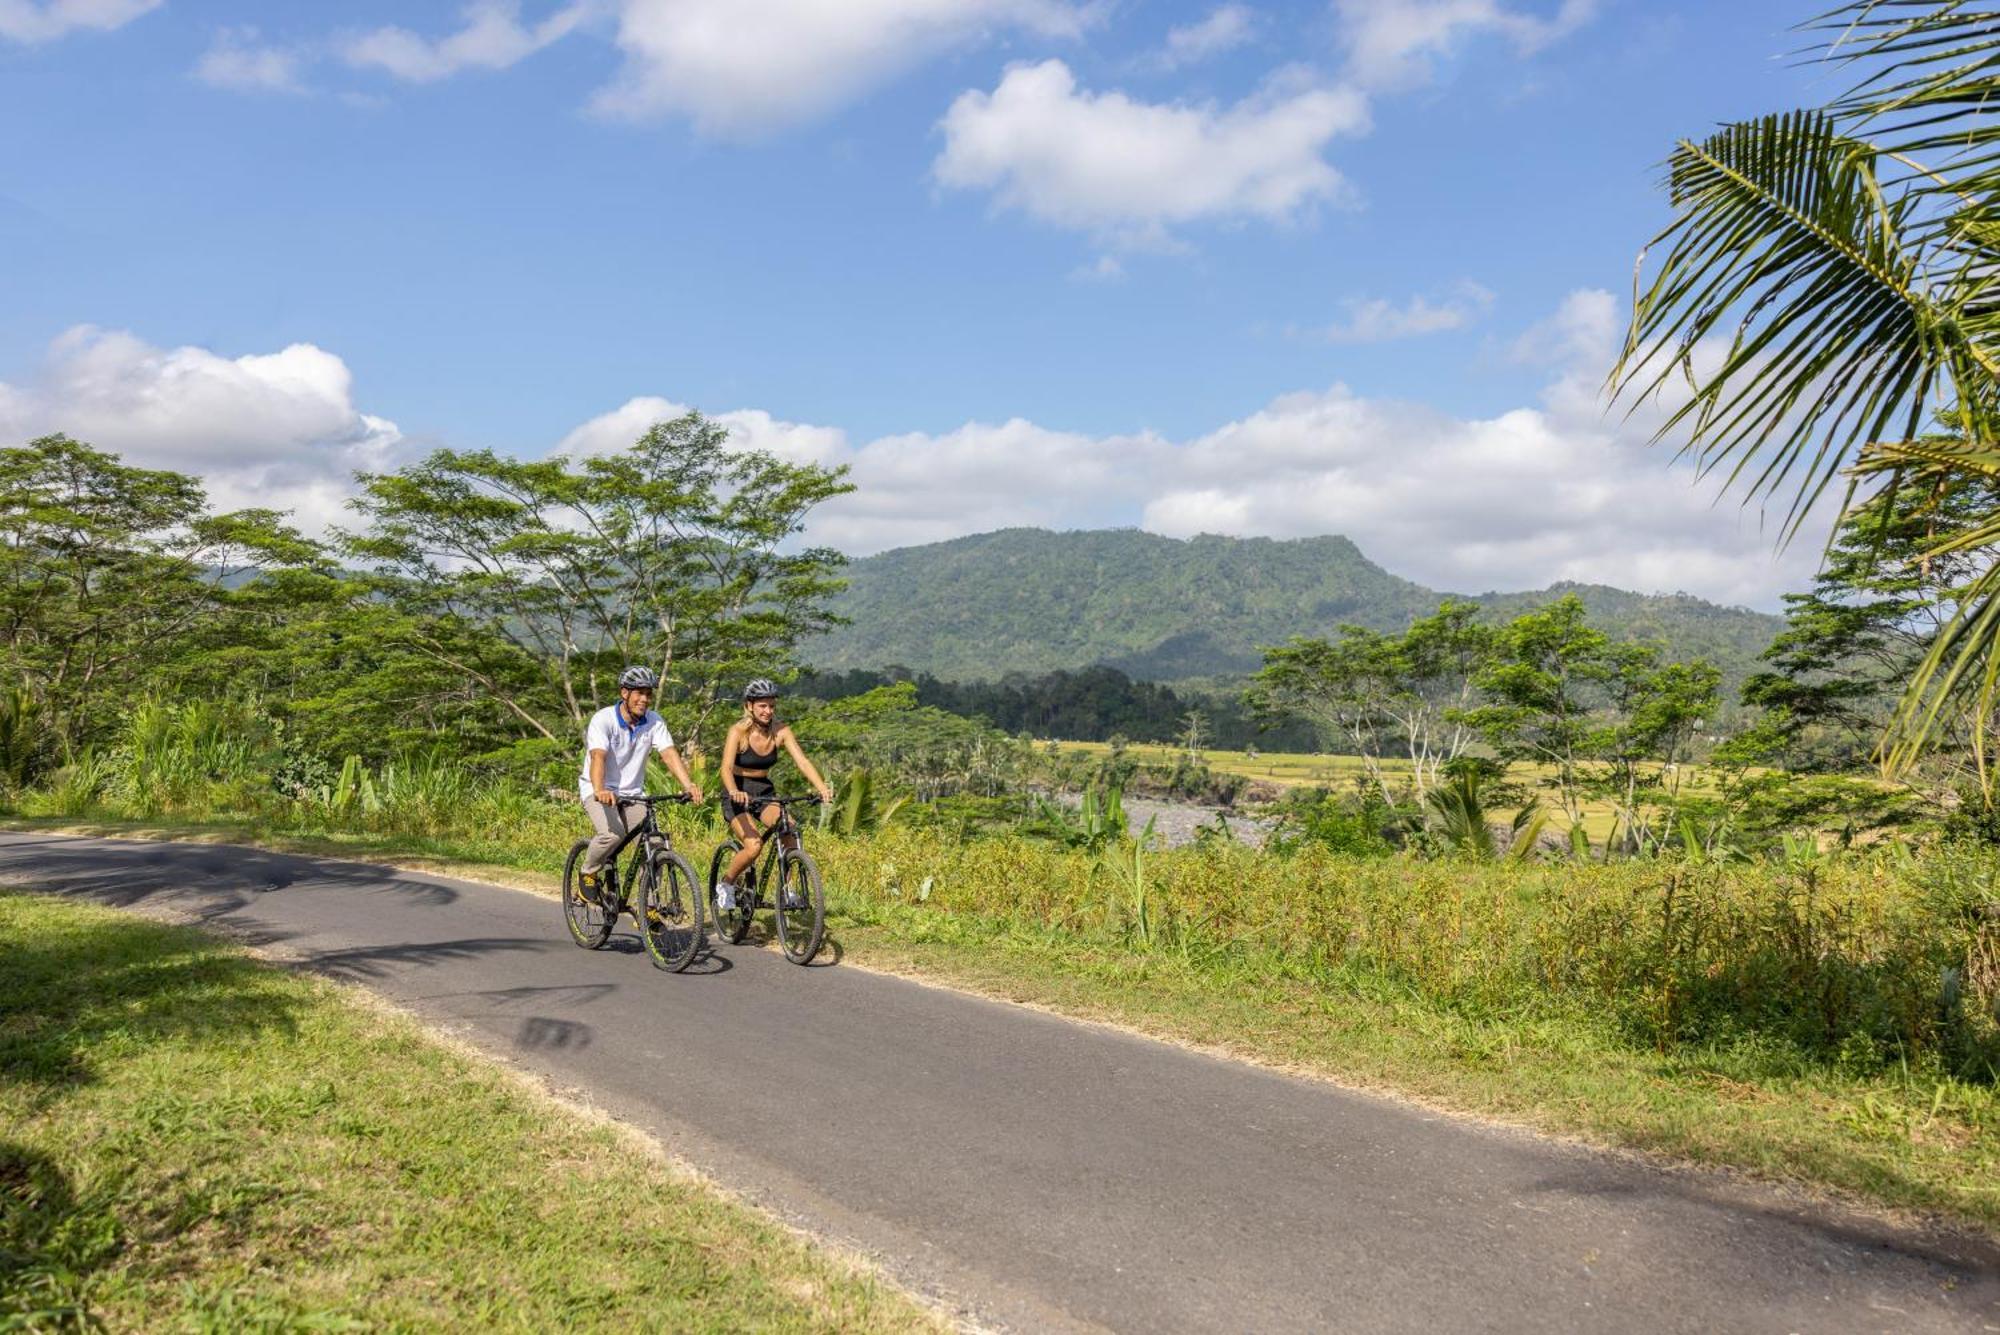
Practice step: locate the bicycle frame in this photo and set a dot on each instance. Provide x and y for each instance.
(781, 836)
(645, 828)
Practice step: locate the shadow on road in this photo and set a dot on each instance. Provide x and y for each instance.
(505, 998)
(362, 963)
(709, 962)
(1960, 1258)
(197, 881)
(545, 1033)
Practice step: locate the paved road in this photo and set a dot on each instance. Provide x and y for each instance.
(1050, 1175)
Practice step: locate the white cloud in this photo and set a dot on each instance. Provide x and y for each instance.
(916, 487)
(1378, 320)
(1513, 501)
(27, 21)
(1584, 329)
(1104, 269)
(735, 67)
(236, 60)
(277, 429)
(743, 67)
(1226, 28)
(491, 37)
(1560, 490)
(1555, 490)
(1131, 169)
(749, 429)
(1394, 43)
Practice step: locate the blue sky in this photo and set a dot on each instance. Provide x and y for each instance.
(1267, 267)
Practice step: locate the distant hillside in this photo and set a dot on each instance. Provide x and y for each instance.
(1162, 609)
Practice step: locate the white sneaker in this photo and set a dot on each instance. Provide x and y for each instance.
(725, 896)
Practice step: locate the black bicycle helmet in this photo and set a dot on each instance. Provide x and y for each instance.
(638, 678)
(761, 688)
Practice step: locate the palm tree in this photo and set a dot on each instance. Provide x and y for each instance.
(1828, 297)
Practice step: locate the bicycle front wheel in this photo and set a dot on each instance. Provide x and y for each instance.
(801, 905)
(734, 924)
(670, 912)
(589, 923)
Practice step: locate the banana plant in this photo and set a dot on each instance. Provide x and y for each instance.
(1125, 862)
(856, 807)
(1097, 823)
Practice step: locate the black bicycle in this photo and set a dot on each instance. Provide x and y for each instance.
(658, 888)
(796, 896)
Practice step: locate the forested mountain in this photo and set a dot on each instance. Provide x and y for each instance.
(1031, 601)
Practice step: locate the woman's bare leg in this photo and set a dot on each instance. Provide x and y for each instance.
(751, 836)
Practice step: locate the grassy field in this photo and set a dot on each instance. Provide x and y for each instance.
(192, 1140)
(1728, 1015)
(1289, 769)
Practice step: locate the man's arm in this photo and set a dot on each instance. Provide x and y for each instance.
(598, 790)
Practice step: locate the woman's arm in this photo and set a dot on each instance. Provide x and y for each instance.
(805, 766)
(729, 747)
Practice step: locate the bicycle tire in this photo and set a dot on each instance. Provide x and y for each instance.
(589, 924)
(670, 912)
(732, 926)
(800, 930)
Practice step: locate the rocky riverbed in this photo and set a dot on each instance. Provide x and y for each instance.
(1175, 823)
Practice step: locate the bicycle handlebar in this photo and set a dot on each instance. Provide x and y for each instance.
(654, 799)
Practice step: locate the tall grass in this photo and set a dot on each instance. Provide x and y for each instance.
(1866, 959)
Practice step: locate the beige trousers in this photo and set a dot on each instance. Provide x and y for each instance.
(611, 824)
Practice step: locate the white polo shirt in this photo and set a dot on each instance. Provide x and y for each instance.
(625, 746)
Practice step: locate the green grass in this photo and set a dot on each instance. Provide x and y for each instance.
(1786, 1021)
(192, 1140)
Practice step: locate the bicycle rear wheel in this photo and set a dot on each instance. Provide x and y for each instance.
(733, 925)
(589, 923)
(670, 912)
(800, 902)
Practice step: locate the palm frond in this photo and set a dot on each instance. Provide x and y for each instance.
(1961, 672)
(1787, 253)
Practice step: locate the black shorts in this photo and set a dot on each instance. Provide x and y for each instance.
(759, 789)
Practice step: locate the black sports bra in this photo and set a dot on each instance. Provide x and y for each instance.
(748, 759)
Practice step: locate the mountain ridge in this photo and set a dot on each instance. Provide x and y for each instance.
(1034, 600)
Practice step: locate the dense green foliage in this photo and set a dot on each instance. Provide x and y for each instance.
(1162, 609)
(1602, 719)
(537, 582)
(1851, 641)
(1091, 704)
(106, 572)
(482, 605)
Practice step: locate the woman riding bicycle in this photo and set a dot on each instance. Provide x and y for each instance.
(748, 753)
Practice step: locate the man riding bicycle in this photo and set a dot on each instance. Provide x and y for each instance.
(615, 744)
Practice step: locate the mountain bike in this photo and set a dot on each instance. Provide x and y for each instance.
(658, 888)
(789, 877)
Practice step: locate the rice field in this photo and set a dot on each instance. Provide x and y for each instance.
(1291, 769)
